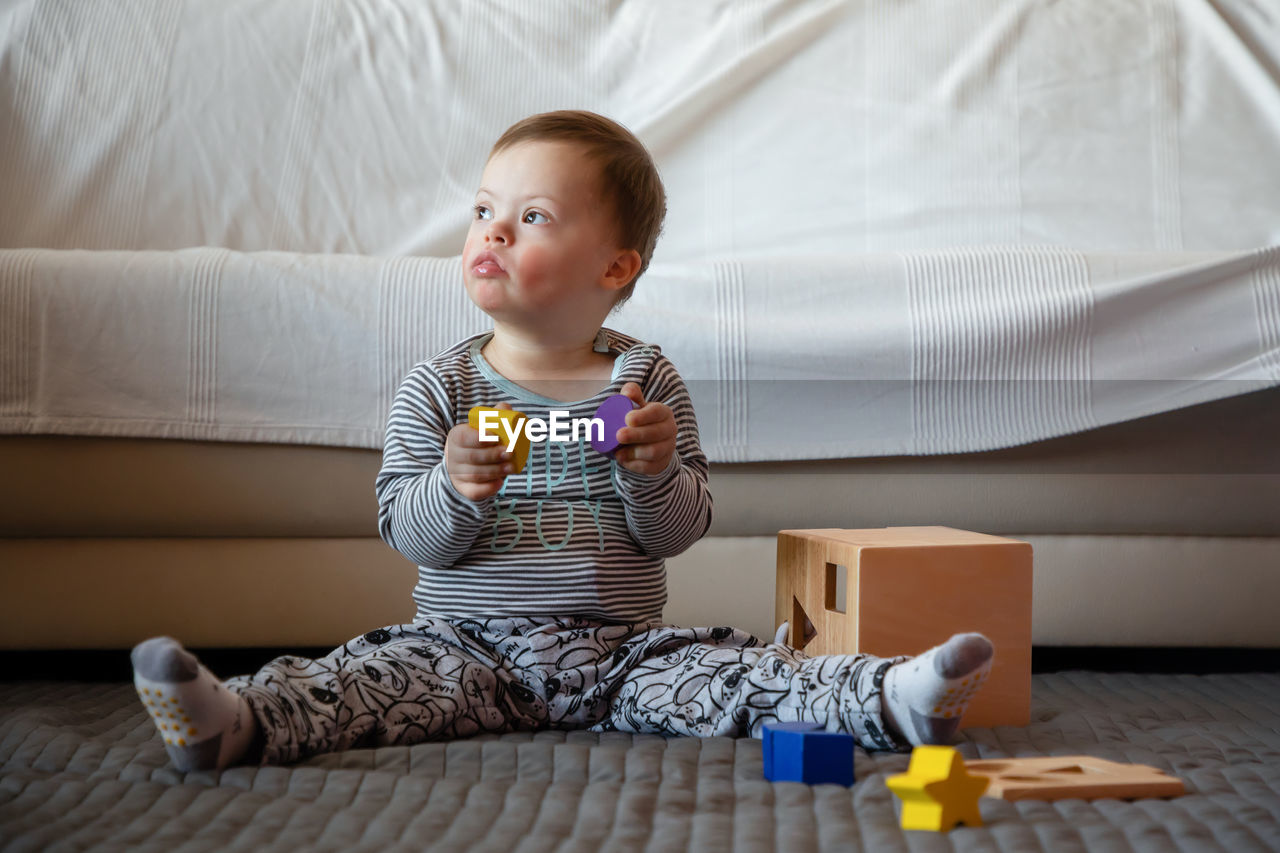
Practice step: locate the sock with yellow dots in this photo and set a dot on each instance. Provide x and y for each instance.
(924, 697)
(205, 726)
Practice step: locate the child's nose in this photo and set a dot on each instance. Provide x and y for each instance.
(497, 232)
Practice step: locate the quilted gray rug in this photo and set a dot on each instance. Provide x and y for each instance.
(83, 768)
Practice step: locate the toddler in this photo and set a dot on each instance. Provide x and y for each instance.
(540, 592)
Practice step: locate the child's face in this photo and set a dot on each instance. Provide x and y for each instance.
(542, 241)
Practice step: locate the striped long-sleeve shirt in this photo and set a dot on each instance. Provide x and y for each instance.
(574, 533)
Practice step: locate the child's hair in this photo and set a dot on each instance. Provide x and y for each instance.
(628, 177)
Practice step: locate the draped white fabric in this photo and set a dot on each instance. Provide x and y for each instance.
(780, 126)
(915, 227)
(877, 354)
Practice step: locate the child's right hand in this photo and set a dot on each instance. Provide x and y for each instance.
(477, 469)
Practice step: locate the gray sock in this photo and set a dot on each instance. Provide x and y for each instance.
(925, 697)
(205, 726)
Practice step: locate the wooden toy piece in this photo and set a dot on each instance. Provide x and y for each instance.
(902, 590)
(936, 792)
(805, 752)
(1073, 777)
(515, 424)
(613, 411)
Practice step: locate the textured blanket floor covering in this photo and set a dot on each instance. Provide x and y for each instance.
(83, 768)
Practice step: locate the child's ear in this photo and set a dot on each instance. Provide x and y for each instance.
(622, 270)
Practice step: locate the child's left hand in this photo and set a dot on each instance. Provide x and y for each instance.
(648, 441)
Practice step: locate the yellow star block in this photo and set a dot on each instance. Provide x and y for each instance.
(936, 792)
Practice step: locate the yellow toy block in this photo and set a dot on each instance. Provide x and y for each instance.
(936, 792)
(902, 590)
(514, 424)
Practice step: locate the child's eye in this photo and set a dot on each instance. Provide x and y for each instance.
(482, 212)
(532, 218)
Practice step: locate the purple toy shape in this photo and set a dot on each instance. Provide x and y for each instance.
(613, 412)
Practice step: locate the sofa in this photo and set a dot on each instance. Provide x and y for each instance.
(919, 268)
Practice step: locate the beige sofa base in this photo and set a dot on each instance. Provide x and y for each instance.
(91, 593)
(112, 593)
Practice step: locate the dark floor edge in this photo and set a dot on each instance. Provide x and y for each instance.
(1163, 659)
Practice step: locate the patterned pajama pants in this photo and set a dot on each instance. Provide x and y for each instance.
(439, 679)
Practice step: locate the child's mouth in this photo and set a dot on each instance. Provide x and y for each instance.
(486, 266)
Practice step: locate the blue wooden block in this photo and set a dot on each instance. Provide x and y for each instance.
(804, 752)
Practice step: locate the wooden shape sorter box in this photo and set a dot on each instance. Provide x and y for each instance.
(901, 590)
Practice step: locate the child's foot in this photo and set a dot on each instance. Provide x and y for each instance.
(205, 726)
(925, 697)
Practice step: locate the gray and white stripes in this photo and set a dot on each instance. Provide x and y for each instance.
(573, 533)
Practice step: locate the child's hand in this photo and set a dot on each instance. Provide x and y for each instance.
(476, 468)
(648, 441)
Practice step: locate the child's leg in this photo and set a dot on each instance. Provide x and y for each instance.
(397, 685)
(725, 682)
(722, 681)
(925, 697)
(204, 725)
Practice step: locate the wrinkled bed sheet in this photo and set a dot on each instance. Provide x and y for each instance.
(805, 126)
(83, 768)
(967, 225)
